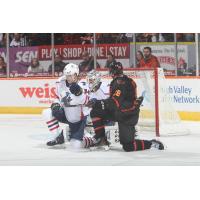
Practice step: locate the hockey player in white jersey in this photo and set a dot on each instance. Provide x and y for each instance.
(68, 108)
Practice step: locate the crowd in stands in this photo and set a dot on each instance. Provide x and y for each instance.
(165, 37)
(87, 63)
(38, 39)
(2, 66)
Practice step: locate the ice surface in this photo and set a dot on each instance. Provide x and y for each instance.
(23, 138)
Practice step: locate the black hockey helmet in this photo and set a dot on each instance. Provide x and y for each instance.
(115, 68)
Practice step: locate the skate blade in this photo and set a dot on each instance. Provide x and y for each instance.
(58, 146)
(44, 146)
(100, 148)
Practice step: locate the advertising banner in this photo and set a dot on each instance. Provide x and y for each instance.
(21, 57)
(183, 94)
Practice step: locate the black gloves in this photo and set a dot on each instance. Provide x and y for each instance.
(55, 107)
(75, 89)
(96, 104)
(91, 103)
(139, 101)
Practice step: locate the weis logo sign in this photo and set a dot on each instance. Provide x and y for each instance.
(39, 92)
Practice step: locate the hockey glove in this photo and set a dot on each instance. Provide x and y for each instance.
(99, 104)
(75, 89)
(55, 107)
(91, 103)
(139, 101)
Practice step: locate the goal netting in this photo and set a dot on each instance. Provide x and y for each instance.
(157, 111)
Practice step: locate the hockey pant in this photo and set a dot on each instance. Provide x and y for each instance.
(126, 131)
(53, 119)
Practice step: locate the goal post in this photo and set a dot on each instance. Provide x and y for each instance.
(158, 113)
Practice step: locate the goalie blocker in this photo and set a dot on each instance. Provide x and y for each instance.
(122, 106)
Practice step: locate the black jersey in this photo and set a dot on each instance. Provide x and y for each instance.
(123, 92)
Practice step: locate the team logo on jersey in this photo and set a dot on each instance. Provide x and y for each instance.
(117, 93)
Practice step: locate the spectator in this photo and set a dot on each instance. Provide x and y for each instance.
(129, 37)
(18, 40)
(2, 66)
(35, 66)
(72, 38)
(185, 37)
(189, 37)
(2, 40)
(139, 57)
(58, 39)
(59, 65)
(168, 37)
(1, 37)
(143, 37)
(122, 38)
(88, 63)
(109, 60)
(105, 38)
(33, 39)
(38, 39)
(154, 37)
(157, 37)
(149, 60)
(87, 38)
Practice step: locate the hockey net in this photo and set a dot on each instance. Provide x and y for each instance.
(157, 111)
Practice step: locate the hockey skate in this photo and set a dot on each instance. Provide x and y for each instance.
(157, 144)
(100, 143)
(58, 140)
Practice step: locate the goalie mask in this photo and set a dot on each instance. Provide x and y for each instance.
(115, 69)
(71, 72)
(93, 79)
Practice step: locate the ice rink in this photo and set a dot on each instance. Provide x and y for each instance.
(23, 138)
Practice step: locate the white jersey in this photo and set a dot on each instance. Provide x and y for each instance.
(102, 93)
(78, 111)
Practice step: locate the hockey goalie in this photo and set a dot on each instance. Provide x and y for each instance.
(123, 107)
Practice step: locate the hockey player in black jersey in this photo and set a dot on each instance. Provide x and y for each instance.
(123, 106)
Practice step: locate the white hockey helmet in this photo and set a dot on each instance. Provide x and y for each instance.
(71, 69)
(93, 79)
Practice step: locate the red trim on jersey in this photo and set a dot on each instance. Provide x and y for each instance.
(96, 119)
(134, 87)
(128, 109)
(51, 121)
(135, 145)
(54, 128)
(142, 141)
(98, 128)
(82, 115)
(116, 102)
